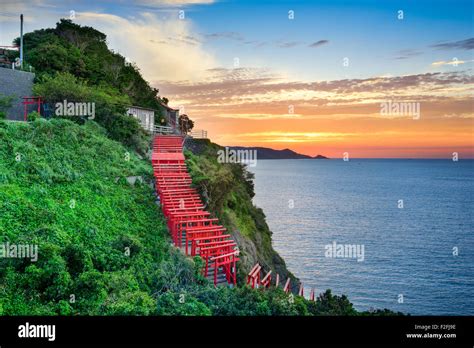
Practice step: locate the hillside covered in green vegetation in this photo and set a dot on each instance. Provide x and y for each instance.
(103, 246)
(73, 63)
(82, 51)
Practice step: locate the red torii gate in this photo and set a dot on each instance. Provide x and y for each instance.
(253, 277)
(286, 288)
(311, 295)
(31, 101)
(266, 281)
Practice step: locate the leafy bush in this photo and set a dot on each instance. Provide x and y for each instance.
(109, 107)
(185, 124)
(62, 86)
(61, 194)
(182, 305)
(73, 63)
(33, 116)
(5, 104)
(329, 304)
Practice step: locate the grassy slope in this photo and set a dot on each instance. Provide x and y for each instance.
(62, 194)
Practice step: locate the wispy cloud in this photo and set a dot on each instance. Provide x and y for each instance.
(162, 3)
(244, 96)
(407, 53)
(259, 116)
(318, 43)
(292, 137)
(452, 62)
(231, 35)
(230, 82)
(162, 48)
(234, 36)
(288, 44)
(467, 44)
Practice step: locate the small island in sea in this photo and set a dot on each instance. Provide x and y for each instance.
(268, 153)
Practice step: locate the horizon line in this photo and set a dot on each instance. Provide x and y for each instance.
(375, 158)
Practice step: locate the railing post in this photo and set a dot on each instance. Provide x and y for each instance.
(215, 273)
(235, 272)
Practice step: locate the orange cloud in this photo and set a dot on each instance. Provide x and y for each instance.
(251, 107)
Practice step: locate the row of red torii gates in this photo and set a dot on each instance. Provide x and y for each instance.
(191, 226)
(255, 280)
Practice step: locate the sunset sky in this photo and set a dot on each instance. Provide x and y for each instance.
(252, 76)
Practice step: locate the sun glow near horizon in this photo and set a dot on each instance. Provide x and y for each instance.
(385, 144)
(427, 115)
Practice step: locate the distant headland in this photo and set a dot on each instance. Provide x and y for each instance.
(268, 153)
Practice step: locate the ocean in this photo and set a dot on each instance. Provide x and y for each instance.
(408, 223)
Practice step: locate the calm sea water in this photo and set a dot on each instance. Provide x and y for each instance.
(407, 251)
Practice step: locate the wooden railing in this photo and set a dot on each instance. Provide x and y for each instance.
(198, 134)
(163, 130)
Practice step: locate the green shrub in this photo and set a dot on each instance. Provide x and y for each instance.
(109, 107)
(81, 244)
(5, 104)
(181, 304)
(33, 116)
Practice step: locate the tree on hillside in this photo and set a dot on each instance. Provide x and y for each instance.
(73, 63)
(82, 51)
(185, 124)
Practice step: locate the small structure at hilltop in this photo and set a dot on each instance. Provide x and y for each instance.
(154, 120)
(145, 116)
